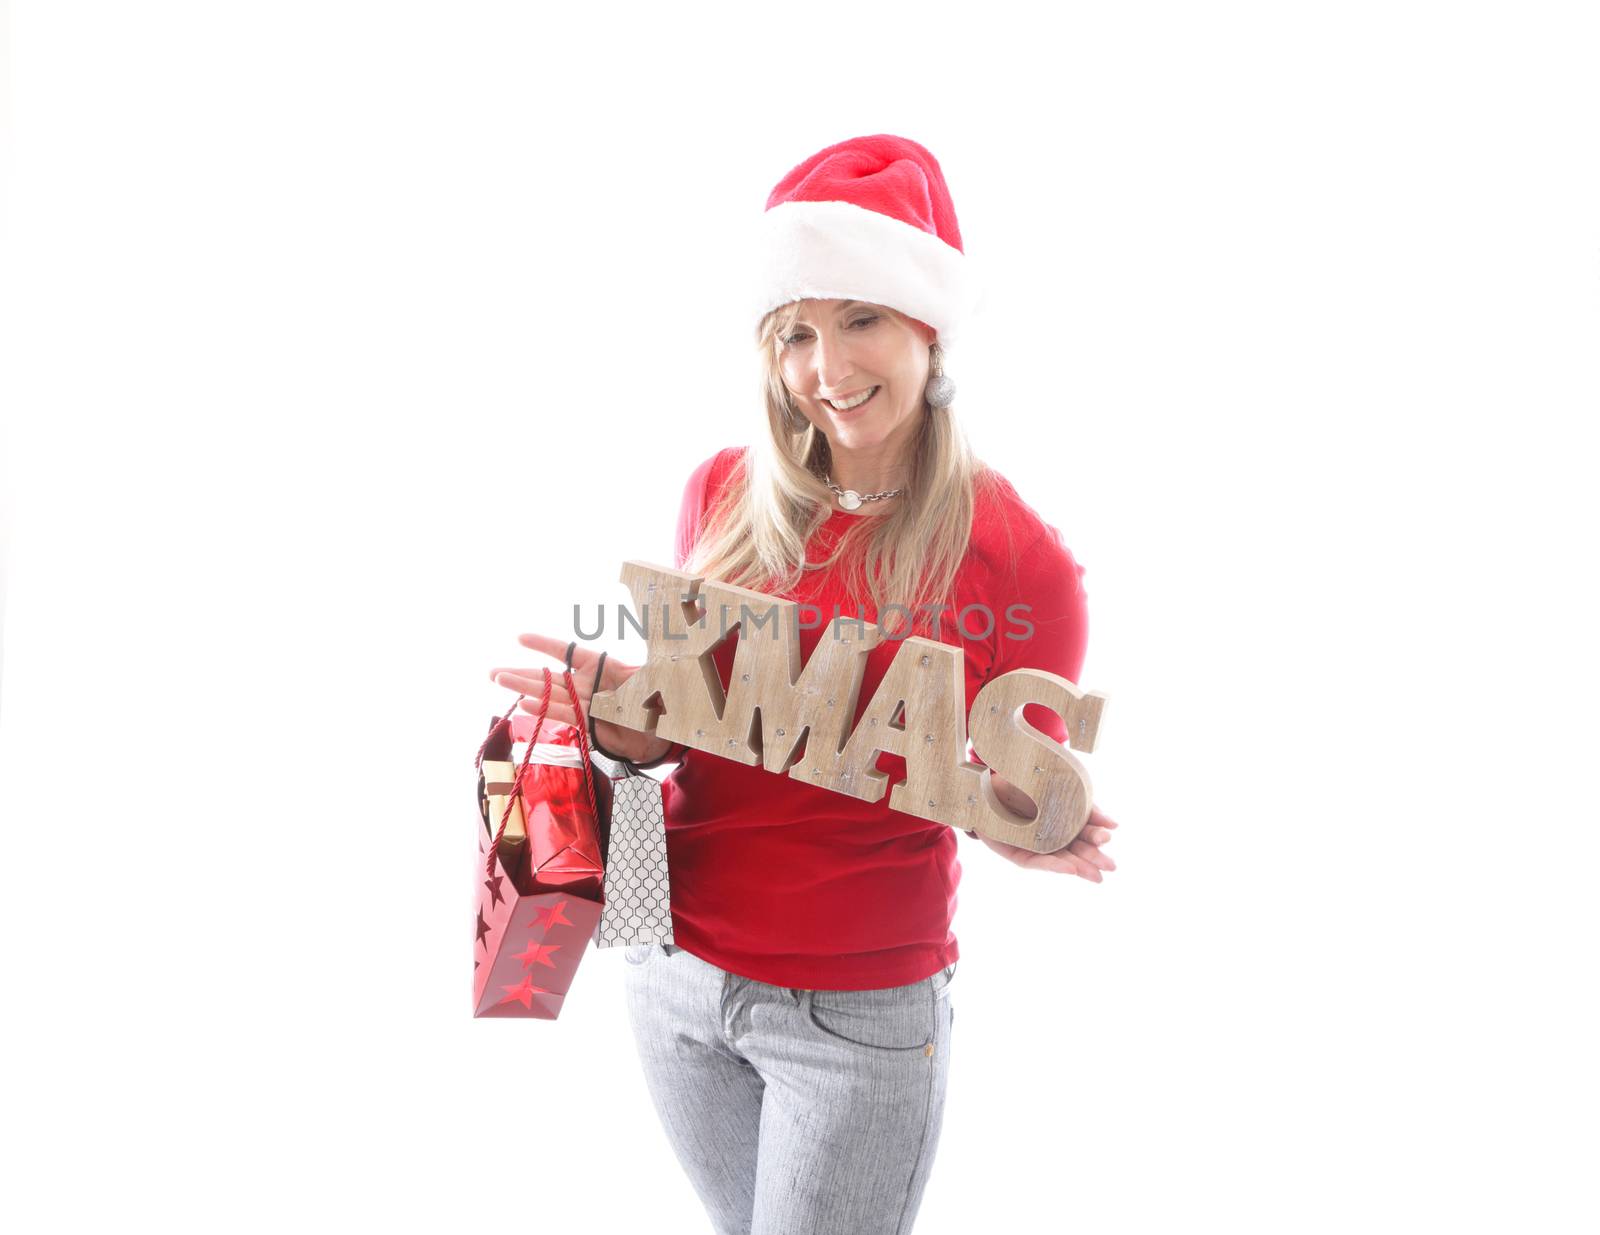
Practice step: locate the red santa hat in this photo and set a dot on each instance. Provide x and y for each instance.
(867, 219)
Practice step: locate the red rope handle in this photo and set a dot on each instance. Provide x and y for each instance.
(583, 742)
(516, 788)
(478, 763)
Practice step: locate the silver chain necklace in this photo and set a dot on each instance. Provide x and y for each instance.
(849, 499)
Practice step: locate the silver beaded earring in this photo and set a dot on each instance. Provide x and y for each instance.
(941, 390)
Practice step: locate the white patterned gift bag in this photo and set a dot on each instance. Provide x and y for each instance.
(638, 904)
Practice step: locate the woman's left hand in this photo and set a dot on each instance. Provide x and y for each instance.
(1082, 857)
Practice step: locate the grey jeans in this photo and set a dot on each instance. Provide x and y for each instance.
(794, 1112)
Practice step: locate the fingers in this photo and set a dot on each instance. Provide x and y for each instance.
(1077, 863)
(522, 723)
(531, 682)
(583, 660)
(559, 713)
(613, 672)
(583, 663)
(1091, 854)
(1062, 861)
(1066, 862)
(1097, 831)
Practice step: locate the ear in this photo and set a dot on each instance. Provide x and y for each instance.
(925, 332)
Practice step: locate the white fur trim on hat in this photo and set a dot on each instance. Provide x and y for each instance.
(839, 251)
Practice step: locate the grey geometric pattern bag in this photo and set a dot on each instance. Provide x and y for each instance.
(638, 906)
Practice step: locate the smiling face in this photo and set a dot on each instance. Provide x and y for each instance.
(839, 350)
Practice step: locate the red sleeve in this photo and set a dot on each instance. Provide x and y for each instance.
(1050, 583)
(692, 509)
(691, 517)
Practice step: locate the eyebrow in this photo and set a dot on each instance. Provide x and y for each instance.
(844, 308)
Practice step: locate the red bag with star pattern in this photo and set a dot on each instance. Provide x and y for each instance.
(540, 870)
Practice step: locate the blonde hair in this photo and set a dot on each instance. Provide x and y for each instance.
(756, 531)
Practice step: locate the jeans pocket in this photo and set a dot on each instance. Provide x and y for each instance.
(895, 1020)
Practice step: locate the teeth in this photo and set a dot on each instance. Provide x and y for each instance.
(855, 402)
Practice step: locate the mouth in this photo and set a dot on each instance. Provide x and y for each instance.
(851, 408)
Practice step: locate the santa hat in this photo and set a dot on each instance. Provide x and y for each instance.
(867, 219)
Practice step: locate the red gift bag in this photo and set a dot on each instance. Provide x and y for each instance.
(540, 871)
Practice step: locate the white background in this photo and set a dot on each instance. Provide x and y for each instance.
(349, 340)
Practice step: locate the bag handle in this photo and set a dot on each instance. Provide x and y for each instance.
(527, 758)
(516, 788)
(582, 727)
(629, 767)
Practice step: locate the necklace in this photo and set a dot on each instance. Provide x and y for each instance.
(849, 499)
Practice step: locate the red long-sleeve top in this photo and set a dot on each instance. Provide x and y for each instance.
(799, 886)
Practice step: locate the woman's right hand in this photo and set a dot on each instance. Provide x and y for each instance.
(628, 743)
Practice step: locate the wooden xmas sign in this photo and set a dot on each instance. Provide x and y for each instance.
(773, 703)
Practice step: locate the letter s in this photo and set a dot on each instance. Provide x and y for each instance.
(1030, 760)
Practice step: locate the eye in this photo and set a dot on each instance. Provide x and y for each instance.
(801, 336)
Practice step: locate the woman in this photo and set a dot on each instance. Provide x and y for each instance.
(795, 1037)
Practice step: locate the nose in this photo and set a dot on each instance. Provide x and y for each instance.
(833, 361)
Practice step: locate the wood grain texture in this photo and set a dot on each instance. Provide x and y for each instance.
(789, 716)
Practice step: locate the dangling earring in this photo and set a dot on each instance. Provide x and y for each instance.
(941, 390)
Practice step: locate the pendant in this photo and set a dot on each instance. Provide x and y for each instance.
(850, 499)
